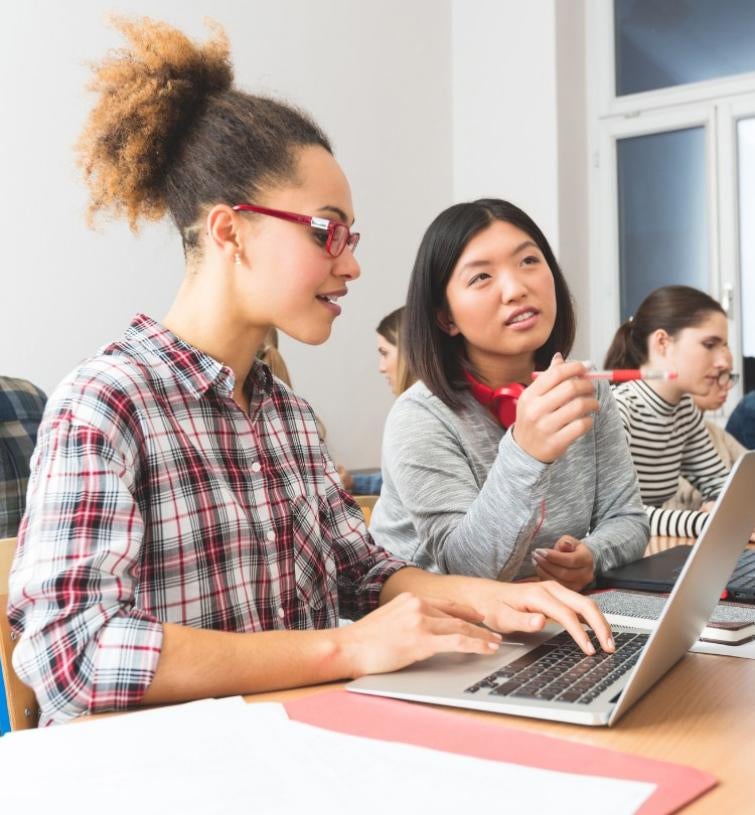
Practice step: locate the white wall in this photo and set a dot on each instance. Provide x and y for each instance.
(504, 98)
(520, 121)
(427, 102)
(573, 161)
(376, 76)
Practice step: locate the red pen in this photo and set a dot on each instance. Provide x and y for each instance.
(623, 375)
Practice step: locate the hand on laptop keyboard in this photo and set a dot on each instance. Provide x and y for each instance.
(410, 628)
(526, 606)
(557, 671)
(425, 614)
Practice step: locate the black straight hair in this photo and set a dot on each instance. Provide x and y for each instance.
(671, 308)
(432, 355)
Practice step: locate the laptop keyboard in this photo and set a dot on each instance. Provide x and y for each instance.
(743, 578)
(559, 671)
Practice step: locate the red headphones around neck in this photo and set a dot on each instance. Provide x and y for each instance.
(501, 402)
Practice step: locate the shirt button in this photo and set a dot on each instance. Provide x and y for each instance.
(281, 613)
(256, 467)
(270, 535)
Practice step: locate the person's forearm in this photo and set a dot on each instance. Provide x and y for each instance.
(462, 526)
(506, 607)
(458, 588)
(197, 663)
(676, 523)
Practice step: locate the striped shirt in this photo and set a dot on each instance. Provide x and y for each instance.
(668, 441)
(154, 498)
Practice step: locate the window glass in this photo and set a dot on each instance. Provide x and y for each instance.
(661, 43)
(663, 217)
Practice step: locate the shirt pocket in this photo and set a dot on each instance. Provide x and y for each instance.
(314, 561)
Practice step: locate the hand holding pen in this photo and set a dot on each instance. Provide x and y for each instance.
(555, 410)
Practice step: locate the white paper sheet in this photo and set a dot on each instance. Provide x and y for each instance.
(417, 779)
(227, 757)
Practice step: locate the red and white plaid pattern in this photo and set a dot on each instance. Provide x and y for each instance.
(153, 498)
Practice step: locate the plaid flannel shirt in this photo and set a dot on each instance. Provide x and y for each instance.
(21, 409)
(153, 498)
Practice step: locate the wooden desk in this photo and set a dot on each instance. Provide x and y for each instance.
(702, 713)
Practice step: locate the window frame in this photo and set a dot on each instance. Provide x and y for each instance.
(606, 293)
(717, 105)
(730, 112)
(601, 29)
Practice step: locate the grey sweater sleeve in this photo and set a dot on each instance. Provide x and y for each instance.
(619, 529)
(462, 527)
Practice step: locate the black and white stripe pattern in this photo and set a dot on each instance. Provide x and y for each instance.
(667, 441)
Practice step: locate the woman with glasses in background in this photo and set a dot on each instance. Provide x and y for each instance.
(741, 423)
(681, 330)
(727, 447)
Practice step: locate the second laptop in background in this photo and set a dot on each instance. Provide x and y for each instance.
(659, 573)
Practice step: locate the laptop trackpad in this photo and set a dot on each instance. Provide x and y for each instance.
(451, 673)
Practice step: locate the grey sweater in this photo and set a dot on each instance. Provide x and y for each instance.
(460, 496)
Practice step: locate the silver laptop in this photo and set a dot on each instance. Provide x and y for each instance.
(547, 676)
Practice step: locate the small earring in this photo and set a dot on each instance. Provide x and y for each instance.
(237, 258)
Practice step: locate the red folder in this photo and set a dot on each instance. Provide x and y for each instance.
(393, 720)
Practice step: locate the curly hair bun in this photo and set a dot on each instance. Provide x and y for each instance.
(149, 96)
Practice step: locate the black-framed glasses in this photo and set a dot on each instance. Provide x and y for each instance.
(339, 236)
(727, 379)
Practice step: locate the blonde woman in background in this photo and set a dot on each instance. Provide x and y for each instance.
(392, 359)
(392, 365)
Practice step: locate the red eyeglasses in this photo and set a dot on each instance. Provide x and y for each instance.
(336, 236)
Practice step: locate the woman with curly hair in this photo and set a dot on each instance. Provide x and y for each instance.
(186, 534)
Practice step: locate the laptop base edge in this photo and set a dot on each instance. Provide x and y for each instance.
(566, 716)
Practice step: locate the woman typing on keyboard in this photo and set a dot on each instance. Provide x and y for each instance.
(186, 532)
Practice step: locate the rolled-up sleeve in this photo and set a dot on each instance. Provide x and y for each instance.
(83, 645)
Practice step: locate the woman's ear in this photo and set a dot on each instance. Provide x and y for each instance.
(659, 343)
(222, 228)
(447, 325)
